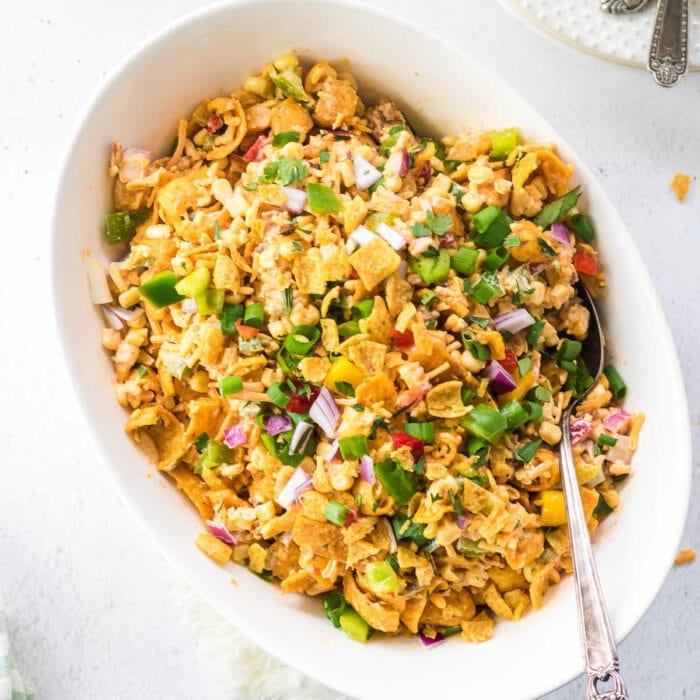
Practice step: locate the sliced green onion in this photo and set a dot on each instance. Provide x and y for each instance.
(432, 269)
(362, 309)
(467, 394)
(515, 414)
(582, 227)
(231, 385)
(119, 227)
(400, 484)
(485, 422)
(618, 387)
(469, 548)
(503, 142)
(464, 260)
(160, 290)
(214, 454)
(533, 335)
(254, 315)
(141, 370)
(533, 409)
(195, 283)
(381, 578)
(290, 84)
(354, 626)
(527, 452)
(569, 349)
(277, 395)
(334, 606)
(229, 315)
(210, 301)
(608, 440)
(492, 227)
(353, 447)
(270, 443)
(429, 298)
(285, 137)
(323, 157)
(301, 340)
(336, 513)
(422, 431)
(487, 288)
(348, 329)
(322, 199)
(496, 258)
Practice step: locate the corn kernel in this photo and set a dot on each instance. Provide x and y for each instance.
(553, 508)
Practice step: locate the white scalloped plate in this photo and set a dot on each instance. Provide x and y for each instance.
(619, 38)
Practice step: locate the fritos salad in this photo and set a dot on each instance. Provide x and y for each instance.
(351, 346)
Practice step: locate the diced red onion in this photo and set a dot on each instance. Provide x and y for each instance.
(536, 268)
(215, 123)
(97, 282)
(220, 532)
(296, 199)
(393, 238)
(235, 436)
(299, 482)
(367, 470)
(561, 233)
(513, 321)
(324, 412)
(274, 425)
(362, 235)
(365, 173)
(333, 452)
(427, 642)
(447, 240)
(461, 521)
(337, 132)
(615, 420)
(112, 319)
(127, 314)
(426, 170)
(405, 163)
(579, 429)
(500, 381)
(391, 534)
(189, 306)
(300, 437)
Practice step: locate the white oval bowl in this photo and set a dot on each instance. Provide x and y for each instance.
(441, 90)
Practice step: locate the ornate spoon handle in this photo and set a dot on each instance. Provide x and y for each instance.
(668, 55)
(600, 651)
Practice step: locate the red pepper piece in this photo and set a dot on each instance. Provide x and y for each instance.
(415, 445)
(402, 339)
(214, 124)
(509, 362)
(585, 263)
(253, 153)
(246, 332)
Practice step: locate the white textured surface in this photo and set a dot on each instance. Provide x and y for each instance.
(89, 601)
(621, 38)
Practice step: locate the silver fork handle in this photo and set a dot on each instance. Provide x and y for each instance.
(599, 650)
(668, 55)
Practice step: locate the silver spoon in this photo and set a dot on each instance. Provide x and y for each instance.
(668, 54)
(600, 652)
(622, 7)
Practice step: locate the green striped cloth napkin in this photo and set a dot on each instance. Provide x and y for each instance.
(11, 684)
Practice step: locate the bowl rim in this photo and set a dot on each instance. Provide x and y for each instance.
(170, 551)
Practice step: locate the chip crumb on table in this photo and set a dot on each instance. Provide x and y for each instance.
(685, 556)
(680, 185)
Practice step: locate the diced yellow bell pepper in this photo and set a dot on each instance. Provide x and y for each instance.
(342, 370)
(523, 385)
(553, 510)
